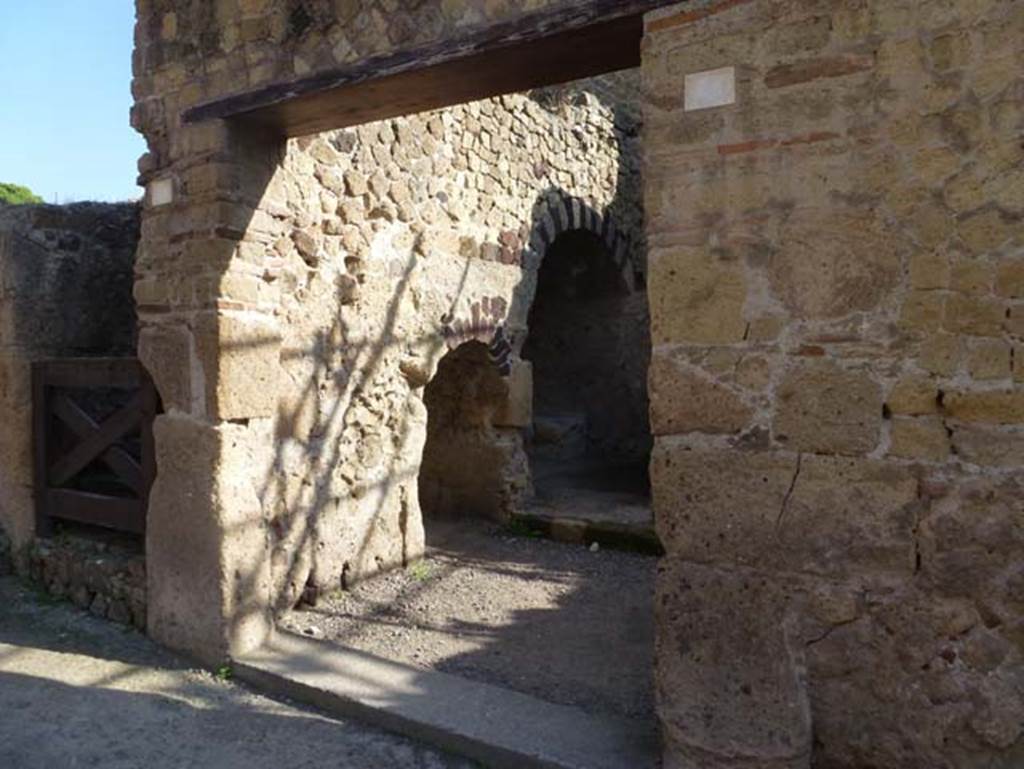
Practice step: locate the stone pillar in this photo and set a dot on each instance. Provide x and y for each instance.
(834, 215)
(209, 338)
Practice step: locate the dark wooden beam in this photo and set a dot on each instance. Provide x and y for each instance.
(119, 513)
(91, 372)
(591, 38)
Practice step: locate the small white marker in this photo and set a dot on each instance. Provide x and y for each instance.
(161, 192)
(711, 88)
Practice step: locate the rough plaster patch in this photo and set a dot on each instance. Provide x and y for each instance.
(711, 88)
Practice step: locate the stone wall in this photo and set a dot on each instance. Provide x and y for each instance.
(294, 300)
(837, 386)
(65, 291)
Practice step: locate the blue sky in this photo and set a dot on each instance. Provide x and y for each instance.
(65, 92)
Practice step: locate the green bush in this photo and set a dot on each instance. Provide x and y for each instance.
(16, 195)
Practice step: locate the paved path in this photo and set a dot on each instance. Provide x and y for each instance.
(79, 692)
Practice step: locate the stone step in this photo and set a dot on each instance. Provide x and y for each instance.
(498, 727)
(626, 532)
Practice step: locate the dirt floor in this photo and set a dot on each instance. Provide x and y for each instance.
(76, 691)
(556, 621)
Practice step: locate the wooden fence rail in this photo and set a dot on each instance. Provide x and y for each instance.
(89, 468)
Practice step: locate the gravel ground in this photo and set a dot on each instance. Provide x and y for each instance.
(555, 621)
(76, 691)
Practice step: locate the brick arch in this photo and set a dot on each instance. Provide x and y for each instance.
(560, 214)
(555, 215)
(486, 324)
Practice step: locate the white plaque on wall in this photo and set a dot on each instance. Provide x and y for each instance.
(711, 88)
(161, 192)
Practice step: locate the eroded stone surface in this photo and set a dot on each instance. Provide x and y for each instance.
(989, 446)
(211, 589)
(685, 399)
(795, 513)
(826, 408)
(753, 711)
(828, 265)
(700, 298)
(926, 439)
(878, 254)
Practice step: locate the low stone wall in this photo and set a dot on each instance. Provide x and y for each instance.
(106, 578)
(65, 291)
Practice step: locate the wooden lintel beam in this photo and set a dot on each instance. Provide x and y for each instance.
(591, 38)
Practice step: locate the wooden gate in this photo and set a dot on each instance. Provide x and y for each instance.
(93, 434)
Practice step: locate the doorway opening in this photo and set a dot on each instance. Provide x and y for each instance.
(523, 346)
(473, 462)
(492, 256)
(589, 348)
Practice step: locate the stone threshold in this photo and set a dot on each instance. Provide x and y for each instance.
(581, 529)
(498, 727)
